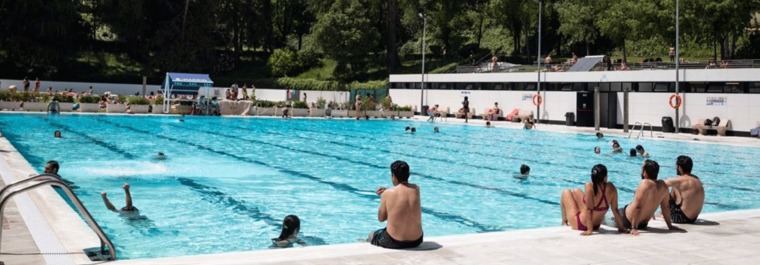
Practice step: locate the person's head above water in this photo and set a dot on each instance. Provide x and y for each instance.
(51, 167)
(597, 150)
(414, 130)
(524, 170)
(57, 134)
(598, 176)
(436, 130)
(650, 170)
(488, 124)
(407, 128)
(599, 135)
(615, 144)
(399, 172)
(160, 156)
(632, 152)
(640, 149)
(291, 225)
(684, 165)
(465, 98)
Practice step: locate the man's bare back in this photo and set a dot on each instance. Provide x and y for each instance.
(688, 192)
(650, 194)
(404, 214)
(400, 206)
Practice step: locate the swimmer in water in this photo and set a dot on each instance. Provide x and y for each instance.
(407, 129)
(599, 135)
(291, 225)
(129, 211)
(436, 130)
(57, 134)
(414, 130)
(616, 147)
(632, 152)
(643, 153)
(488, 124)
(182, 118)
(160, 156)
(597, 150)
(524, 172)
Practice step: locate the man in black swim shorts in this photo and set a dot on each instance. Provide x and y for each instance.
(400, 206)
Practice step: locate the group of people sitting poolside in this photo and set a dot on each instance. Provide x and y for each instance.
(680, 200)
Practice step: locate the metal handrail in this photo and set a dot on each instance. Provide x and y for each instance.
(651, 130)
(45, 179)
(633, 129)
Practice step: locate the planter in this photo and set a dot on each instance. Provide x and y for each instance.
(405, 114)
(158, 109)
(139, 108)
(340, 113)
(9, 105)
(227, 107)
(374, 114)
(89, 107)
(259, 111)
(181, 109)
(35, 106)
(67, 107)
(299, 112)
(317, 113)
(116, 108)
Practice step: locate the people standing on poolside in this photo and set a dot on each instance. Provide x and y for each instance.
(36, 90)
(616, 147)
(291, 225)
(26, 85)
(585, 211)
(53, 107)
(358, 106)
(466, 108)
(640, 150)
(400, 207)
(687, 195)
(650, 194)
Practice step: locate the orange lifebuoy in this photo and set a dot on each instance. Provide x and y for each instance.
(677, 103)
(537, 100)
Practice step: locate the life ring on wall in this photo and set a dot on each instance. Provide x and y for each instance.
(677, 103)
(537, 100)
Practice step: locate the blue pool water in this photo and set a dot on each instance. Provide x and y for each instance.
(228, 182)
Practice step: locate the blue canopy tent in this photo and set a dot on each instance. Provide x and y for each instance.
(184, 84)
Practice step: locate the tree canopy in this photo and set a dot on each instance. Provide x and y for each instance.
(364, 39)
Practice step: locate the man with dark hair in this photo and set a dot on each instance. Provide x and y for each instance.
(51, 167)
(640, 150)
(524, 172)
(400, 206)
(650, 194)
(687, 195)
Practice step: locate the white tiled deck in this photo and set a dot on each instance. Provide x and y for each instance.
(725, 238)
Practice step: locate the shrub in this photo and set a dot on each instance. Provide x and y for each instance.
(265, 103)
(64, 98)
(321, 102)
(158, 100)
(6, 95)
(24, 97)
(387, 103)
(137, 100)
(300, 105)
(89, 99)
(310, 84)
(369, 85)
(122, 99)
(283, 62)
(43, 98)
(404, 108)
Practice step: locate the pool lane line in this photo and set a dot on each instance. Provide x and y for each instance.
(254, 212)
(215, 196)
(499, 190)
(728, 207)
(540, 162)
(94, 140)
(337, 186)
(395, 153)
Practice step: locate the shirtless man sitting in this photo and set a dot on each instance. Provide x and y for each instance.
(687, 195)
(400, 206)
(650, 194)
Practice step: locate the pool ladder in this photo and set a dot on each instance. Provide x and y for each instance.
(107, 250)
(641, 129)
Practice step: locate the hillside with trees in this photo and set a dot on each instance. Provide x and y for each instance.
(344, 41)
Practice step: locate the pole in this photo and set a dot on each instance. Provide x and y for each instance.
(144, 85)
(538, 62)
(597, 108)
(422, 75)
(678, 64)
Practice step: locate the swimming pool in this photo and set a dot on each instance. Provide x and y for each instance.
(228, 182)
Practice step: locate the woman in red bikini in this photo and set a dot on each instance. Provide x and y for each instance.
(585, 211)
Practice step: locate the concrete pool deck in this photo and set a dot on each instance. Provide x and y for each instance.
(720, 238)
(44, 223)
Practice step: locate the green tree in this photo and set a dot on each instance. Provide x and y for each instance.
(346, 34)
(577, 21)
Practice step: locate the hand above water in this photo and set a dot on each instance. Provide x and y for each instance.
(380, 191)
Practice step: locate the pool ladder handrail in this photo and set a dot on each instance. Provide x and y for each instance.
(55, 180)
(641, 129)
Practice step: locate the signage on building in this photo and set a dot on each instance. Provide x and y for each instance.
(716, 101)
